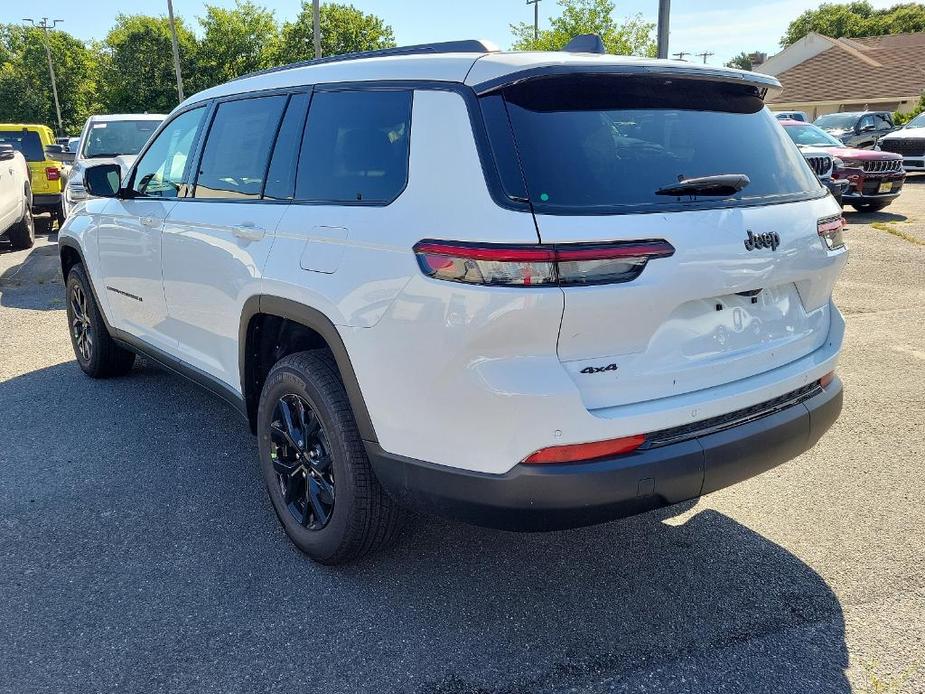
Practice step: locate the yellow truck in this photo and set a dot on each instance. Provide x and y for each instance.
(48, 176)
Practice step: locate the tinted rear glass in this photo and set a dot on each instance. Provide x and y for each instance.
(25, 141)
(356, 147)
(837, 121)
(600, 142)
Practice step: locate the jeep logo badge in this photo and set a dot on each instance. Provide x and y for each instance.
(769, 239)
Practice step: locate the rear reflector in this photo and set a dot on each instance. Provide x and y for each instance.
(830, 231)
(586, 451)
(52, 173)
(827, 379)
(533, 265)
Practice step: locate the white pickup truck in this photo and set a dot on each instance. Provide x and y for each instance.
(16, 223)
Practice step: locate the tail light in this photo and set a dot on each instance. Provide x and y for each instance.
(586, 451)
(538, 266)
(830, 231)
(52, 173)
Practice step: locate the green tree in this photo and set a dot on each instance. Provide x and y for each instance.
(234, 42)
(855, 19)
(631, 36)
(25, 85)
(741, 61)
(136, 64)
(344, 29)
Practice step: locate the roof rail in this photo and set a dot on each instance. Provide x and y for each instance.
(464, 46)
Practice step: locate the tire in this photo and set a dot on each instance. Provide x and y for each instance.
(97, 353)
(871, 206)
(305, 472)
(22, 234)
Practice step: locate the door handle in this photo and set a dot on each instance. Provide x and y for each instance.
(248, 232)
(151, 222)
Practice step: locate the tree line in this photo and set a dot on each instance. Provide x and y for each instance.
(131, 70)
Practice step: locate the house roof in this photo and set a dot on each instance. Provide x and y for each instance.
(857, 70)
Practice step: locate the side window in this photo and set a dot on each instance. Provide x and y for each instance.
(234, 161)
(883, 123)
(356, 147)
(162, 170)
(865, 122)
(281, 174)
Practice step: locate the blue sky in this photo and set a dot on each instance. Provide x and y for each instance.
(696, 25)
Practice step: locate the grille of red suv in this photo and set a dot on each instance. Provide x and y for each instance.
(731, 419)
(913, 147)
(883, 166)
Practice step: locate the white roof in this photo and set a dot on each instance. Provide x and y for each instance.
(466, 68)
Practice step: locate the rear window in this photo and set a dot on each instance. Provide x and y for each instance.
(356, 147)
(606, 143)
(25, 141)
(117, 137)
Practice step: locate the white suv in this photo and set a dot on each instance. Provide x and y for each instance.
(527, 290)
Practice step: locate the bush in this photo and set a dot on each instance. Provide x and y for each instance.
(903, 118)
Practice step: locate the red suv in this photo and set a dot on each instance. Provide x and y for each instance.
(875, 178)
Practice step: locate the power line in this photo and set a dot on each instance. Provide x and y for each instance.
(680, 54)
(704, 55)
(46, 27)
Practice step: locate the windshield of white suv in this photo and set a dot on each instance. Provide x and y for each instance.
(811, 136)
(917, 122)
(118, 137)
(837, 121)
(593, 142)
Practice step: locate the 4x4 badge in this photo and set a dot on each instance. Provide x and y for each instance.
(598, 369)
(770, 240)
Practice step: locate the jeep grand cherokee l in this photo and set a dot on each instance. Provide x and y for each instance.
(527, 290)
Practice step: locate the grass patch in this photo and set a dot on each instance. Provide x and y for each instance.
(891, 228)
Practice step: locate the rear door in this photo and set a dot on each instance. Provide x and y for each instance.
(747, 287)
(216, 241)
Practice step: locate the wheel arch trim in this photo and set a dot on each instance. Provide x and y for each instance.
(312, 319)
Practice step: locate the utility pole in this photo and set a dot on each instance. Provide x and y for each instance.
(664, 9)
(680, 55)
(536, 18)
(704, 55)
(176, 49)
(316, 26)
(45, 27)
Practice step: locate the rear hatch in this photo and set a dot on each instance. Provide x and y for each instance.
(747, 288)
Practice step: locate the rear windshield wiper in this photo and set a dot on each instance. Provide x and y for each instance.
(719, 185)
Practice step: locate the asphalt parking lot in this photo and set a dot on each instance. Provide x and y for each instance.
(139, 553)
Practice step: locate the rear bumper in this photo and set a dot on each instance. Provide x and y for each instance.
(548, 497)
(45, 200)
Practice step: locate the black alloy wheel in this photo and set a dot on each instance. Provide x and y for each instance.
(302, 462)
(81, 326)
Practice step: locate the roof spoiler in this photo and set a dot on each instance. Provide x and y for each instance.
(765, 84)
(585, 43)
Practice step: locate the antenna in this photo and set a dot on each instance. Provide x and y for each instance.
(704, 55)
(680, 55)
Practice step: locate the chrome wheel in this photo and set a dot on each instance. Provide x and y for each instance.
(81, 328)
(302, 462)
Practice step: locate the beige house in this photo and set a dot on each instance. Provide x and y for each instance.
(821, 75)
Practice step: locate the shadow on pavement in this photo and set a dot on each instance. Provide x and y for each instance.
(34, 282)
(138, 552)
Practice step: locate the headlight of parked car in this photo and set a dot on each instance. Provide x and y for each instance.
(76, 192)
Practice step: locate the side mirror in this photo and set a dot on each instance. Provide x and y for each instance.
(7, 152)
(103, 180)
(866, 128)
